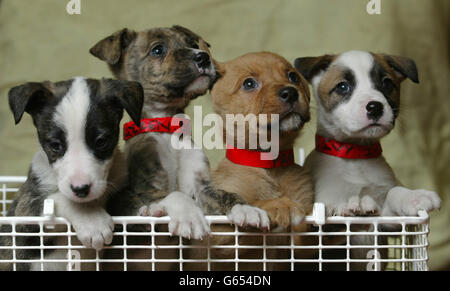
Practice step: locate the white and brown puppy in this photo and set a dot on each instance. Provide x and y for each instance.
(174, 66)
(78, 164)
(358, 101)
(358, 97)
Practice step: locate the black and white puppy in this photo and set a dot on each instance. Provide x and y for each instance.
(79, 164)
(358, 101)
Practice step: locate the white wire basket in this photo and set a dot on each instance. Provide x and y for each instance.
(143, 243)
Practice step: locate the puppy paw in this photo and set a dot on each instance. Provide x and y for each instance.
(417, 200)
(95, 229)
(154, 210)
(369, 207)
(341, 209)
(186, 218)
(283, 212)
(355, 206)
(246, 215)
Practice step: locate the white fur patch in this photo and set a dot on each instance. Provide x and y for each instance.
(78, 166)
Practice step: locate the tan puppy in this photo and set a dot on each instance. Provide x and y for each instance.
(275, 88)
(264, 83)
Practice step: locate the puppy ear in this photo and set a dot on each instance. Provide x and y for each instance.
(203, 45)
(311, 66)
(29, 97)
(404, 67)
(130, 95)
(110, 48)
(220, 68)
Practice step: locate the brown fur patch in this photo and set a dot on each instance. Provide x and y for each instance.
(333, 76)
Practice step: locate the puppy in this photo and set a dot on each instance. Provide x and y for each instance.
(254, 84)
(169, 176)
(358, 101)
(78, 165)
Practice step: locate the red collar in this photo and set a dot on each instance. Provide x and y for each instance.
(253, 158)
(162, 124)
(347, 150)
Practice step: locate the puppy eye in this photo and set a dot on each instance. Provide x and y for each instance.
(56, 146)
(387, 85)
(195, 46)
(157, 50)
(101, 142)
(250, 84)
(343, 88)
(293, 78)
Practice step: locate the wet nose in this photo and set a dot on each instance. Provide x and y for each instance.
(81, 191)
(202, 59)
(288, 94)
(375, 110)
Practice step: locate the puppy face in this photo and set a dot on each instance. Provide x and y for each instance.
(172, 64)
(78, 128)
(358, 92)
(263, 83)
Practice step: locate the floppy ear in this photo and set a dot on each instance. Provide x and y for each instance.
(311, 66)
(219, 72)
(130, 95)
(203, 45)
(404, 67)
(220, 68)
(29, 97)
(110, 48)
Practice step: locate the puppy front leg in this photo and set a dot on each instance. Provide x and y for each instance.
(283, 212)
(193, 170)
(186, 218)
(401, 201)
(93, 225)
(194, 179)
(238, 211)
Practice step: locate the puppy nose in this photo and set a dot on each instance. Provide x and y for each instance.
(202, 59)
(288, 94)
(374, 110)
(81, 191)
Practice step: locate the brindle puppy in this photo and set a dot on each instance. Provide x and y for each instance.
(173, 66)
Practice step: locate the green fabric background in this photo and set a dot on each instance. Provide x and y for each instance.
(40, 41)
